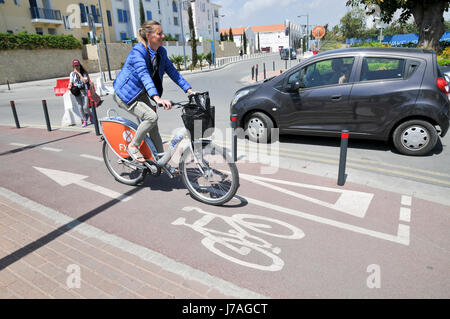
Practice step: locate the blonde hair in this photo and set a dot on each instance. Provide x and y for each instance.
(146, 27)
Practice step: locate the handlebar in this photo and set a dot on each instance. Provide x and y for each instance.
(182, 104)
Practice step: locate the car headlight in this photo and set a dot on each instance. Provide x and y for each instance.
(240, 95)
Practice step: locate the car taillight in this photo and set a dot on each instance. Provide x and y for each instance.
(442, 85)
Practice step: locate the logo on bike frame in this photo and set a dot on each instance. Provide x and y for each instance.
(127, 136)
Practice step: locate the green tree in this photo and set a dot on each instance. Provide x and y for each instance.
(177, 60)
(353, 23)
(201, 57)
(245, 43)
(208, 57)
(141, 12)
(230, 35)
(428, 16)
(193, 39)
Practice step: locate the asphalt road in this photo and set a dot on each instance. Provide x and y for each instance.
(369, 156)
(295, 234)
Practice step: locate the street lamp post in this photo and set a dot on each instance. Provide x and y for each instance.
(182, 34)
(213, 47)
(307, 29)
(104, 40)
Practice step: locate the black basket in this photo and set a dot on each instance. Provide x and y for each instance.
(199, 116)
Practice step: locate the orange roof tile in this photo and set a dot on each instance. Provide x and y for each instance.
(268, 28)
(236, 31)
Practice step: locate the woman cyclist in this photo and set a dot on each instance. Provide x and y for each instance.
(140, 82)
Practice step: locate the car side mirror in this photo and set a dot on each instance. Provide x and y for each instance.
(294, 87)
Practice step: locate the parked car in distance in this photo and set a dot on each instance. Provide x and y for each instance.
(284, 53)
(390, 94)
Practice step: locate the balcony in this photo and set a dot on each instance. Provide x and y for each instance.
(42, 15)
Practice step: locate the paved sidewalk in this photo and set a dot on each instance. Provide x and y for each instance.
(39, 259)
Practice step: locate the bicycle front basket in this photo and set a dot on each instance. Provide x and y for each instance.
(199, 122)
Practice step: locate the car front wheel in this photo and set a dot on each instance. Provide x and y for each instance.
(258, 127)
(415, 137)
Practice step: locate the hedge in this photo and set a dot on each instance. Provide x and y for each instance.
(24, 40)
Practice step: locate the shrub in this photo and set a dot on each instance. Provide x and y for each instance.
(444, 62)
(24, 40)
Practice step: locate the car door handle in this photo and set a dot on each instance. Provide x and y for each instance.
(336, 98)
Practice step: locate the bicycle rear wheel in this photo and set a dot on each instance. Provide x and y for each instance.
(209, 177)
(121, 168)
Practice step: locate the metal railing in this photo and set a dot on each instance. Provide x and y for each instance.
(42, 13)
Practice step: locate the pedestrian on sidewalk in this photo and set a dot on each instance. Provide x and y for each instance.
(140, 82)
(79, 86)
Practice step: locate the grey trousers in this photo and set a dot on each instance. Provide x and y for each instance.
(142, 108)
(82, 101)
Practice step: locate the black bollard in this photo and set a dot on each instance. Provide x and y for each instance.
(274, 65)
(253, 72)
(343, 157)
(16, 119)
(264, 71)
(94, 117)
(7, 82)
(285, 64)
(256, 73)
(47, 119)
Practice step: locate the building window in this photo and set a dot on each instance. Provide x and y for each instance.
(123, 16)
(149, 15)
(123, 35)
(67, 23)
(17, 2)
(175, 20)
(2, 1)
(83, 13)
(174, 6)
(9, 31)
(51, 31)
(108, 15)
(39, 31)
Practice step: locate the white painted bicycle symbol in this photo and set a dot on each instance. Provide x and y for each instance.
(238, 245)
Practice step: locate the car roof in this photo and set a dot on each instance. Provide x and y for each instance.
(377, 50)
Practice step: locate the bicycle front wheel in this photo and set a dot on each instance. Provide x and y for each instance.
(207, 174)
(121, 168)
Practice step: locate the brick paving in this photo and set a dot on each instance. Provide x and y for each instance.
(31, 267)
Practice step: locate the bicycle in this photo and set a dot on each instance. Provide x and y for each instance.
(206, 169)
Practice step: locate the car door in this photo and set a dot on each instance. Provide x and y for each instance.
(322, 105)
(386, 84)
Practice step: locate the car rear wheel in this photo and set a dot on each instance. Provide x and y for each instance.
(415, 137)
(258, 127)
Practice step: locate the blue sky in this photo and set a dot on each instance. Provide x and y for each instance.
(262, 12)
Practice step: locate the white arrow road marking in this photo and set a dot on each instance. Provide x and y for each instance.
(18, 144)
(350, 202)
(67, 178)
(100, 159)
(51, 149)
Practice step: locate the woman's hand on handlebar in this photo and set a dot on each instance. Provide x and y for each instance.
(191, 92)
(163, 103)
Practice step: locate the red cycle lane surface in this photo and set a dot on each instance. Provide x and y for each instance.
(326, 241)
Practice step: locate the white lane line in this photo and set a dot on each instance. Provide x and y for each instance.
(405, 214)
(19, 144)
(403, 234)
(92, 157)
(51, 149)
(406, 200)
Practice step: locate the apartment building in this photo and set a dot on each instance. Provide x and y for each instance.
(272, 38)
(55, 17)
(121, 18)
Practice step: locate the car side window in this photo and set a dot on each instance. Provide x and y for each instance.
(325, 72)
(382, 69)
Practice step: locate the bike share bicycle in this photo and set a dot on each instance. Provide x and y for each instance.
(207, 172)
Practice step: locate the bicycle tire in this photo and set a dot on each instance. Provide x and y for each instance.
(216, 193)
(129, 175)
